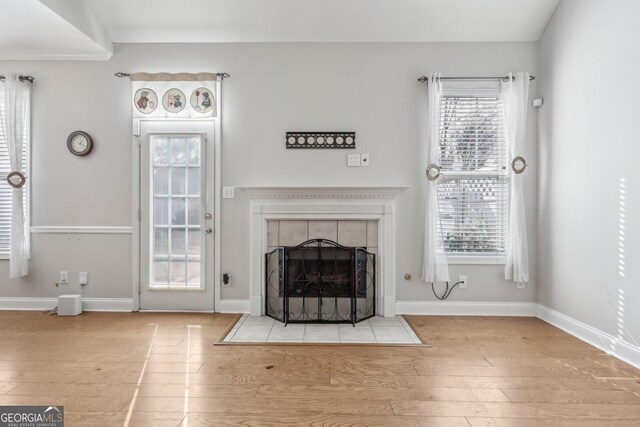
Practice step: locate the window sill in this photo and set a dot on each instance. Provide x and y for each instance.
(490, 260)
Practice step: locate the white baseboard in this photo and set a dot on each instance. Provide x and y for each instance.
(466, 308)
(88, 304)
(107, 304)
(29, 304)
(608, 343)
(233, 306)
(255, 306)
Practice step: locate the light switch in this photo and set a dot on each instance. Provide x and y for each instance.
(228, 192)
(353, 160)
(364, 160)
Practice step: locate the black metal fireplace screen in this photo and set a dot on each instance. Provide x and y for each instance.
(320, 281)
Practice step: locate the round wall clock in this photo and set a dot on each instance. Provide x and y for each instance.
(79, 143)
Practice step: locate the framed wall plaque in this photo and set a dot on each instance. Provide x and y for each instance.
(335, 140)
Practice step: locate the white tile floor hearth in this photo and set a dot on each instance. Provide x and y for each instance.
(377, 330)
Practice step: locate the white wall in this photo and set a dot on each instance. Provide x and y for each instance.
(589, 152)
(274, 88)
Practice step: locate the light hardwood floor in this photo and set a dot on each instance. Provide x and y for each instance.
(161, 369)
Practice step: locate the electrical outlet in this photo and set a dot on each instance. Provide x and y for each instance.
(64, 278)
(83, 279)
(463, 280)
(364, 160)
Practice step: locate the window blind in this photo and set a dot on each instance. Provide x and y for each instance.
(473, 191)
(6, 192)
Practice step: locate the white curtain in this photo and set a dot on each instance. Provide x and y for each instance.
(15, 123)
(515, 94)
(434, 265)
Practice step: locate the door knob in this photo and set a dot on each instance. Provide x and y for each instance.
(208, 230)
(208, 216)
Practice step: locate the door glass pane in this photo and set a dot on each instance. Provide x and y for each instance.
(194, 152)
(178, 270)
(161, 245)
(194, 181)
(160, 211)
(178, 209)
(160, 181)
(194, 211)
(176, 181)
(178, 242)
(160, 273)
(193, 273)
(194, 243)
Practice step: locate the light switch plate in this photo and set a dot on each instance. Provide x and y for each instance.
(228, 192)
(364, 160)
(353, 160)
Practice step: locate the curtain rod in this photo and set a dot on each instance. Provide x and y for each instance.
(424, 79)
(221, 75)
(30, 79)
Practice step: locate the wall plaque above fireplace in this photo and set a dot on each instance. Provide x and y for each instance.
(320, 281)
(321, 140)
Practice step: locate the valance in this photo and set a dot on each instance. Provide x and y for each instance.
(179, 95)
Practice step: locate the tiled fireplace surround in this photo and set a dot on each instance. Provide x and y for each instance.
(351, 216)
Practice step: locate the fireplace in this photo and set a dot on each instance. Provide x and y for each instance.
(320, 281)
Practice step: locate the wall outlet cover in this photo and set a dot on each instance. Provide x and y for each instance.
(464, 281)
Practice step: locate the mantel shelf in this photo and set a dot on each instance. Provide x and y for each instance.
(323, 192)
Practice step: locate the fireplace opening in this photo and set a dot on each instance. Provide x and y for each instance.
(320, 281)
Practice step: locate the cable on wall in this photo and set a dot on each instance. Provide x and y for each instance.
(447, 291)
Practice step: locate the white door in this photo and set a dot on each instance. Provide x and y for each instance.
(176, 215)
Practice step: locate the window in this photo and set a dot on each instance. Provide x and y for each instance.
(473, 191)
(6, 192)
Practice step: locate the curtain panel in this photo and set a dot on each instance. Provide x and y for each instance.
(515, 95)
(15, 122)
(180, 95)
(434, 266)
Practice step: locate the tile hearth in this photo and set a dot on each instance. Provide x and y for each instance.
(377, 330)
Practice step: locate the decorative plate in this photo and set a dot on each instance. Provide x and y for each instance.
(173, 100)
(203, 100)
(145, 100)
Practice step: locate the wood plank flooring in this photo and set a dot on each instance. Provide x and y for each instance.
(161, 369)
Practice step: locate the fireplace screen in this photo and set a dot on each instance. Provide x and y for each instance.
(320, 281)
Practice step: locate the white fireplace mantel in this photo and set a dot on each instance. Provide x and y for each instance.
(329, 203)
(323, 192)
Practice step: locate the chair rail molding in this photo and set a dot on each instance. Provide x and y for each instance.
(82, 229)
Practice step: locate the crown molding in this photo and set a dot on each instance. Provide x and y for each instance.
(54, 56)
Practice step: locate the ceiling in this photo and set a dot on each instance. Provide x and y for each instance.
(87, 29)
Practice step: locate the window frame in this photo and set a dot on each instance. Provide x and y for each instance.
(478, 89)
